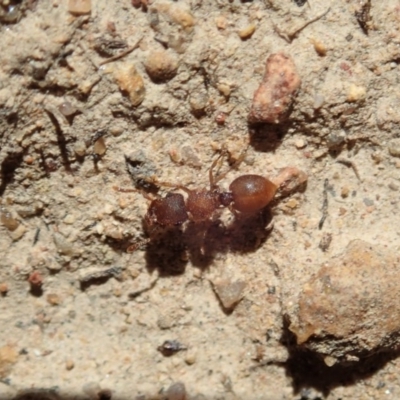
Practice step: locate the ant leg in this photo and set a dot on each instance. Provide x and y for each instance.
(215, 179)
(133, 190)
(174, 186)
(134, 246)
(124, 190)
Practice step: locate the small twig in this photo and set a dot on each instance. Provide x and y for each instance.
(137, 293)
(291, 35)
(349, 163)
(311, 21)
(36, 237)
(324, 205)
(61, 140)
(123, 54)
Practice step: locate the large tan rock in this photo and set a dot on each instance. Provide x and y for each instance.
(351, 307)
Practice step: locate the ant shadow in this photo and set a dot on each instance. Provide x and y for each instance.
(171, 250)
(308, 370)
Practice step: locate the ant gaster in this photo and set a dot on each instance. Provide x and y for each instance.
(247, 195)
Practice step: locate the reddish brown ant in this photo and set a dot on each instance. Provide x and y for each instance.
(247, 195)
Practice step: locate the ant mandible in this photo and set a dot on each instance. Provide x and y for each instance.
(247, 195)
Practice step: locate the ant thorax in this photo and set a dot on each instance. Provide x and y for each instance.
(202, 204)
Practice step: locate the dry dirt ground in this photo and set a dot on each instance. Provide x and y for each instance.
(83, 318)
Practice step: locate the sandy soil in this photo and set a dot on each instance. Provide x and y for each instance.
(83, 318)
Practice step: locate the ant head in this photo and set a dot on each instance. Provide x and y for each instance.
(251, 193)
(167, 211)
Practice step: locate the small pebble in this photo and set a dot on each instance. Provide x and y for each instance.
(228, 292)
(165, 321)
(116, 130)
(91, 389)
(330, 361)
(290, 180)
(377, 157)
(247, 31)
(161, 65)
(198, 102)
(100, 147)
(300, 143)
(319, 47)
(29, 160)
(8, 220)
(190, 157)
(176, 391)
(113, 231)
(52, 265)
(18, 233)
(69, 219)
(190, 358)
(319, 100)
(224, 89)
(67, 109)
(80, 148)
(3, 289)
(221, 22)
(136, 3)
(325, 241)
(92, 274)
(53, 299)
(63, 245)
(131, 82)
(79, 7)
(220, 118)
(393, 186)
(368, 202)
(69, 364)
(35, 279)
(8, 357)
(336, 139)
(345, 191)
(178, 14)
(356, 93)
(292, 203)
(394, 147)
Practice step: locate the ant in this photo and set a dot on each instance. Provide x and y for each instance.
(248, 195)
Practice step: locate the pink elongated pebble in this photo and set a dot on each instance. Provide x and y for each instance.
(274, 97)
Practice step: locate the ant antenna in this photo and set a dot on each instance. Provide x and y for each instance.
(215, 179)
